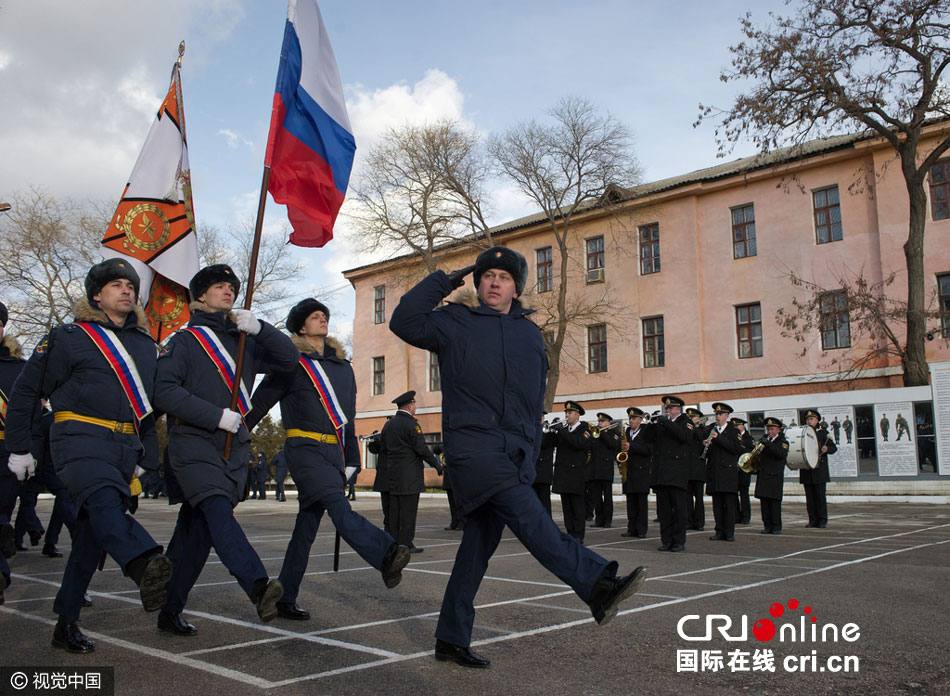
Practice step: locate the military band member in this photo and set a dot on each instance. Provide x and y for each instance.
(572, 453)
(695, 505)
(672, 450)
(321, 452)
(381, 481)
(743, 504)
(815, 480)
(770, 479)
(494, 368)
(636, 486)
(544, 468)
(99, 374)
(722, 467)
(604, 457)
(193, 387)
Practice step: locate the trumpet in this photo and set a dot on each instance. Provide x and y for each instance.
(372, 436)
(554, 425)
(596, 431)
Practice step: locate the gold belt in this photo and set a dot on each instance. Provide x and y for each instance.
(1, 435)
(114, 426)
(327, 439)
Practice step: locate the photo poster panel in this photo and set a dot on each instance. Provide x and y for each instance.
(940, 384)
(840, 420)
(894, 434)
(787, 416)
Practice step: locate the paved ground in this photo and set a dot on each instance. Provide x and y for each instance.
(881, 565)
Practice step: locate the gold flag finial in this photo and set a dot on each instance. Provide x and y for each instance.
(181, 51)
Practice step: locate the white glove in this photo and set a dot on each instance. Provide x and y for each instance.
(246, 321)
(230, 420)
(21, 464)
(138, 472)
(348, 471)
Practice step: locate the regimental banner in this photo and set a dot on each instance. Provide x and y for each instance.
(893, 434)
(940, 385)
(166, 307)
(840, 420)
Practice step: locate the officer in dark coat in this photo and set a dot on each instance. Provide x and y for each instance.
(10, 366)
(405, 447)
(322, 451)
(544, 467)
(770, 479)
(103, 433)
(192, 388)
(722, 471)
(280, 475)
(673, 443)
(696, 506)
(743, 504)
(381, 481)
(493, 369)
(815, 480)
(636, 485)
(261, 474)
(604, 456)
(572, 454)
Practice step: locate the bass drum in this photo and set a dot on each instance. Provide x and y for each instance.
(802, 447)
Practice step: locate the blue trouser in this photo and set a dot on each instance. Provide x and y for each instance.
(517, 507)
(9, 489)
(64, 512)
(101, 525)
(280, 495)
(211, 524)
(26, 519)
(369, 541)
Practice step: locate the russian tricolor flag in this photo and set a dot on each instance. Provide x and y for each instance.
(310, 147)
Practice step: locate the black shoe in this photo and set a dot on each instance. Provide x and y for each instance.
(153, 581)
(35, 538)
(729, 539)
(450, 528)
(811, 524)
(606, 525)
(290, 610)
(766, 531)
(627, 534)
(396, 559)
(68, 637)
(822, 525)
(665, 547)
(609, 592)
(716, 537)
(171, 622)
(415, 549)
(776, 531)
(266, 595)
(677, 547)
(447, 652)
(51, 551)
(7, 545)
(86, 600)
(20, 546)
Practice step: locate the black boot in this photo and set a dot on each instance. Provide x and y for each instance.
(448, 652)
(265, 597)
(290, 610)
(172, 622)
(610, 591)
(396, 559)
(151, 573)
(51, 551)
(4, 584)
(68, 637)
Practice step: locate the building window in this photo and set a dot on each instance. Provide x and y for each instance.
(749, 330)
(827, 215)
(650, 249)
(835, 324)
(653, 352)
(940, 190)
(597, 348)
(743, 231)
(379, 304)
(943, 294)
(595, 260)
(379, 376)
(435, 379)
(544, 263)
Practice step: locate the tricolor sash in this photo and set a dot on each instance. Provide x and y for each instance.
(223, 362)
(122, 364)
(328, 397)
(3, 410)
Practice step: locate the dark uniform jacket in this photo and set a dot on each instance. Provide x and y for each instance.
(639, 460)
(570, 459)
(604, 454)
(381, 482)
(544, 468)
(406, 450)
(748, 444)
(673, 444)
(261, 468)
(315, 466)
(493, 369)
(190, 390)
(11, 364)
(771, 477)
(821, 473)
(722, 460)
(697, 465)
(69, 369)
(280, 467)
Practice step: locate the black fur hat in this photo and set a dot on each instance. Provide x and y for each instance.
(209, 275)
(303, 309)
(4, 314)
(107, 271)
(507, 260)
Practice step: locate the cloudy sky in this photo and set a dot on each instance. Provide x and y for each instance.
(81, 82)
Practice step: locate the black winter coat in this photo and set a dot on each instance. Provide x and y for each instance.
(639, 461)
(604, 454)
(405, 447)
(570, 459)
(544, 468)
(673, 444)
(722, 460)
(11, 364)
(821, 473)
(770, 480)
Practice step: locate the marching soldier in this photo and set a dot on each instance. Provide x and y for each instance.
(672, 450)
(722, 466)
(636, 485)
(193, 387)
(815, 480)
(743, 504)
(696, 506)
(544, 468)
(98, 374)
(280, 475)
(771, 477)
(318, 409)
(573, 451)
(604, 457)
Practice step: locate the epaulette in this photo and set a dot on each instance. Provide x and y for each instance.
(71, 327)
(164, 349)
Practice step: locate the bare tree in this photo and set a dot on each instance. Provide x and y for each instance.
(565, 167)
(852, 65)
(422, 189)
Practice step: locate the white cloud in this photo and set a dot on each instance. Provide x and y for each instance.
(234, 139)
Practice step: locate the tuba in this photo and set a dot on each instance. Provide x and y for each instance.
(749, 462)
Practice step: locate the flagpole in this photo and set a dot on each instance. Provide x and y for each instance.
(248, 295)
